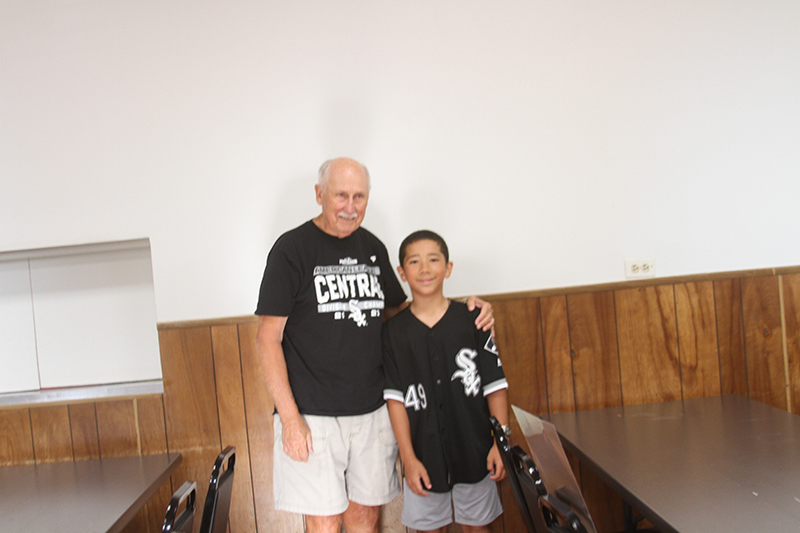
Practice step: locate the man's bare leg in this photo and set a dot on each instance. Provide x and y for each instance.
(361, 518)
(324, 524)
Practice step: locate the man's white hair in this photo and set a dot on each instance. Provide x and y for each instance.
(325, 169)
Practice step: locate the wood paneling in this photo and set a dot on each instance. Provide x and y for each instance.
(561, 350)
(558, 361)
(730, 337)
(83, 427)
(152, 430)
(764, 340)
(595, 355)
(152, 439)
(233, 423)
(697, 338)
(648, 345)
(51, 434)
(190, 404)
(791, 305)
(117, 428)
(519, 339)
(16, 441)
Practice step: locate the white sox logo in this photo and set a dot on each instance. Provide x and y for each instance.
(357, 314)
(469, 372)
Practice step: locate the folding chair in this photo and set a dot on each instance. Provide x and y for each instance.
(544, 488)
(175, 522)
(218, 499)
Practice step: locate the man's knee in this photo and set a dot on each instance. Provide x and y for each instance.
(323, 524)
(361, 518)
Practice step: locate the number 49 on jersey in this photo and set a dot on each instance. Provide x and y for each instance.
(415, 397)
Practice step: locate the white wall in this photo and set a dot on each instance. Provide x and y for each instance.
(546, 140)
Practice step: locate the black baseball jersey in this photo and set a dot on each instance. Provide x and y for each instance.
(442, 375)
(333, 292)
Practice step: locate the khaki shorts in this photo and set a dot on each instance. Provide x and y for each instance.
(353, 460)
(475, 504)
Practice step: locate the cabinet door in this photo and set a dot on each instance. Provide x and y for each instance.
(18, 367)
(95, 318)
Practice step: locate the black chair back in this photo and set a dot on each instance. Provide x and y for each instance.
(218, 499)
(525, 488)
(541, 511)
(175, 522)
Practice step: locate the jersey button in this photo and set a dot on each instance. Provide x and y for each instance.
(438, 381)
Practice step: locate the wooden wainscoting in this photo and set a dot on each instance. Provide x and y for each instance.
(643, 342)
(562, 350)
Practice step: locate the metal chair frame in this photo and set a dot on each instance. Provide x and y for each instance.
(182, 522)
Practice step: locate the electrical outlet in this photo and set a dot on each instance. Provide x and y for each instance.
(640, 268)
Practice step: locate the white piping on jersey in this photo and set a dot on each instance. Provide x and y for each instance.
(495, 386)
(393, 394)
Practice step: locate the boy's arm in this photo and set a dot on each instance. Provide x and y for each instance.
(415, 472)
(498, 408)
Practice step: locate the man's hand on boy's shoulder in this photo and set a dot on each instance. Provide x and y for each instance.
(417, 477)
(389, 312)
(485, 320)
(494, 464)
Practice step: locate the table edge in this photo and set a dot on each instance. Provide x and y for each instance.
(175, 460)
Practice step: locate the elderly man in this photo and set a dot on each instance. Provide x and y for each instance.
(326, 288)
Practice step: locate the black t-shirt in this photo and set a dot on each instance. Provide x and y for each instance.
(333, 292)
(442, 375)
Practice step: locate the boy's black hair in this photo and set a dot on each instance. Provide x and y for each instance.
(422, 235)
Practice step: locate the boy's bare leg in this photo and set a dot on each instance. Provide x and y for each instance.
(475, 529)
(324, 524)
(440, 530)
(361, 518)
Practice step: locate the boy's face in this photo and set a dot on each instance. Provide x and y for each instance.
(424, 268)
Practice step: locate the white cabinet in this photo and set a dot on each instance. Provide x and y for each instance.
(18, 367)
(75, 318)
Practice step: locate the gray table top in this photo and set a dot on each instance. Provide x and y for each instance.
(723, 463)
(99, 496)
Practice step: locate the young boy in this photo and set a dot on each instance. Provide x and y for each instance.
(443, 382)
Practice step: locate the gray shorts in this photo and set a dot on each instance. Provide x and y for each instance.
(354, 460)
(475, 504)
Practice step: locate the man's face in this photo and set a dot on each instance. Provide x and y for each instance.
(344, 200)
